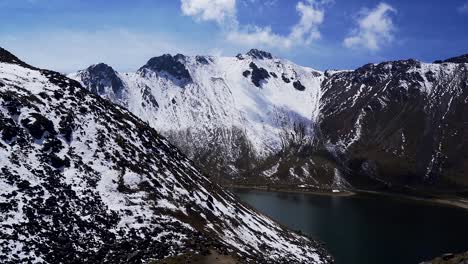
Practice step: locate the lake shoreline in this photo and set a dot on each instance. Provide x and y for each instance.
(291, 190)
(443, 201)
(450, 202)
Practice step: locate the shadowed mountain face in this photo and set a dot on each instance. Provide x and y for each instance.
(102, 80)
(399, 123)
(172, 67)
(458, 59)
(85, 181)
(259, 54)
(255, 118)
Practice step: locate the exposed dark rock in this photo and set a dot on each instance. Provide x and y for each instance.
(298, 85)
(167, 64)
(149, 98)
(101, 76)
(7, 57)
(329, 73)
(37, 125)
(458, 59)
(316, 74)
(180, 58)
(52, 144)
(259, 75)
(8, 128)
(58, 162)
(66, 126)
(202, 60)
(450, 258)
(259, 54)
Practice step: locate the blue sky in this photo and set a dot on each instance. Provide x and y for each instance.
(67, 35)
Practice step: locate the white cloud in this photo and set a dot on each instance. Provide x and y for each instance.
(375, 29)
(463, 8)
(311, 16)
(258, 36)
(210, 10)
(259, 4)
(307, 28)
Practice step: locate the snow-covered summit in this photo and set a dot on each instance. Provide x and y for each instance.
(103, 80)
(170, 67)
(228, 113)
(259, 54)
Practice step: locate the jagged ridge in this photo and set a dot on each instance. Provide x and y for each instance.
(399, 123)
(235, 116)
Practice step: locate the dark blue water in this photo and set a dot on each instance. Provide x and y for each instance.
(370, 229)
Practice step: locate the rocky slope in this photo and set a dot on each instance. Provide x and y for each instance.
(246, 117)
(399, 123)
(85, 181)
(450, 259)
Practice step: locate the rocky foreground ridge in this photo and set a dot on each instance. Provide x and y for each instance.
(85, 181)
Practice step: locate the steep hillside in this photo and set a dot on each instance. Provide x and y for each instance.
(84, 181)
(399, 123)
(248, 117)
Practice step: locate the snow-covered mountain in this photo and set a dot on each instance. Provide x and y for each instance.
(242, 116)
(399, 123)
(85, 181)
(263, 119)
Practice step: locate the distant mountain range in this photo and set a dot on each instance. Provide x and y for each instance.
(256, 118)
(83, 180)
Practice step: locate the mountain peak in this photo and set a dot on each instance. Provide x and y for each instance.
(101, 68)
(99, 77)
(180, 57)
(170, 65)
(458, 59)
(8, 57)
(259, 54)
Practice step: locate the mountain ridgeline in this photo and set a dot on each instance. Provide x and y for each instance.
(255, 118)
(235, 116)
(401, 122)
(83, 180)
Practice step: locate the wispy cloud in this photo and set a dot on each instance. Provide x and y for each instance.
(375, 28)
(305, 31)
